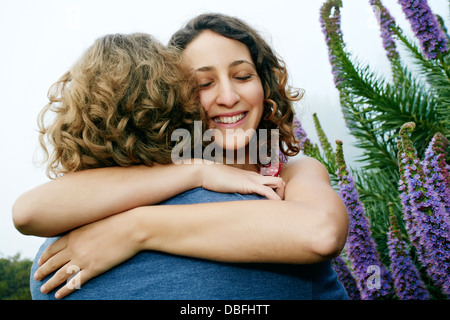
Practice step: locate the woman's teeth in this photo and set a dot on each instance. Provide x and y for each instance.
(232, 119)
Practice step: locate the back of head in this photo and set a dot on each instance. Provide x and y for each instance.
(118, 105)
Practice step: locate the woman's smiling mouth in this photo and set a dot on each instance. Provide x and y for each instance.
(229, 120)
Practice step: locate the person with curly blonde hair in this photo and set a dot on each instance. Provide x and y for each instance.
(221, 243)
(118, 106)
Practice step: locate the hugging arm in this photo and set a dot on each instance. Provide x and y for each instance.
(84, 197)
(308, 227)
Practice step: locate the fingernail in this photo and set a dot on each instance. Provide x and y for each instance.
(43, 289)
(36, 276)
(39, 262)
(57, 295)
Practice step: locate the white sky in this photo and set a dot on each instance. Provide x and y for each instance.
(42, 39)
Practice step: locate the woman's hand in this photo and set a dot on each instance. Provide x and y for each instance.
(223, 178)
(91, 250)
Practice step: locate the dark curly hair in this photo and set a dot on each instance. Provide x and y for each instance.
(117, 106)
(278, 111)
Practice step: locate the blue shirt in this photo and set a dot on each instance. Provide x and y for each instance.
(154, 275)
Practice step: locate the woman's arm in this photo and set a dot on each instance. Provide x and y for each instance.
(309, 226)
(83, 197)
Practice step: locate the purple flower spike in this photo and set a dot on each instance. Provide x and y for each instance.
(346, 278)
(426, 223)
(425, 26)
(330, 20)
(302, 138)
(407, 281)
(387, 23)
(373, 279)
(301, 135)
(408, 213)
(436, 172)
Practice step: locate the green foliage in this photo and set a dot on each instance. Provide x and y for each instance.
(375, 107)
(15, 278)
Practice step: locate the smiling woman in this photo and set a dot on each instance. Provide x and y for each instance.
(233, 65)
(231, 90)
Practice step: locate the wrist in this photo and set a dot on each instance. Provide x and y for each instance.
(207, 174)
(147, 227)
(140, 233)
(198, 173)
(201, 171)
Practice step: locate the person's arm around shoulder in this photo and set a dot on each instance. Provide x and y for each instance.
(86, 196)
(83, 197)
(309, 226)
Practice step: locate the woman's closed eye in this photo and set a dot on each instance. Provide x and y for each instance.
(205, 85)
(244, 78)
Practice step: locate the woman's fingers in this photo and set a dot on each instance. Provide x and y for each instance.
(280, 191)
(267, 192)
(276, 186)
(52, 249)
(57, 279)
(69, 274)
(51, 264)
(78, 277)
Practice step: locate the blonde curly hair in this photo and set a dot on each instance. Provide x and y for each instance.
(117, 106)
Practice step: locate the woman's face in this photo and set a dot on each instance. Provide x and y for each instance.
(231, 91)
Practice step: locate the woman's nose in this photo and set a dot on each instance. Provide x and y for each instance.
(227, 95)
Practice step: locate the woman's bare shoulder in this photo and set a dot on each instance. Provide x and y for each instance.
(303, 166)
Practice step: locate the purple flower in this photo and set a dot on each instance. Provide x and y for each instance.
(436, 172)
(373, 279)
(407, 282)
(301, 135)
(387, 23)
(425, 26)
(425, 215)
(330, 20)
(408, 213)
(346, 278)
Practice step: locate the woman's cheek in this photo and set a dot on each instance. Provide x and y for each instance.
(260, 101)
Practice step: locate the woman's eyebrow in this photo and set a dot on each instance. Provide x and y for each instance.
(239, 62)
(205, 69)
(233, 64)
